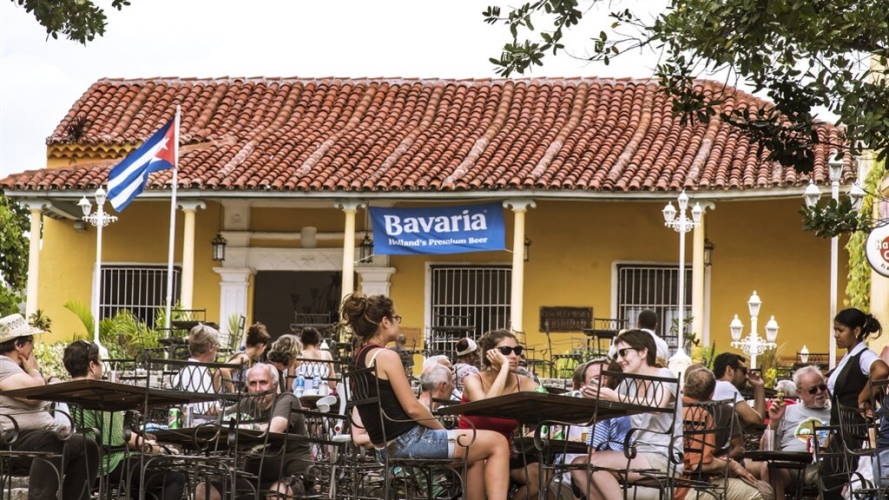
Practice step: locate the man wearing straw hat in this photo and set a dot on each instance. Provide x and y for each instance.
(37, 430)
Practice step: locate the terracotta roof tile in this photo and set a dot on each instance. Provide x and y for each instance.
(375, 134)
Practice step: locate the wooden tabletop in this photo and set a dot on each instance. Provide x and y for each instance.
(531, 408)
(107, 396)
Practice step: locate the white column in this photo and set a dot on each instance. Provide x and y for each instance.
(375, 279)
(518, 207)
(36, 207)
(697, 276)
(189, 207)
(349, 207)
(233, 285)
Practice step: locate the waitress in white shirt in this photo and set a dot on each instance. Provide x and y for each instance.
(850, 382)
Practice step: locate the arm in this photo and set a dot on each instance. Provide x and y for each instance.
(31, 378)
(388, 363)
(472, 385)
(759, 394)
(878, 370)
(748, 415)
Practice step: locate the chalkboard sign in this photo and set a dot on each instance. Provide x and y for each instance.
(565, 319)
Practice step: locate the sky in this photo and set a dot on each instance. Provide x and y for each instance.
(42, 78)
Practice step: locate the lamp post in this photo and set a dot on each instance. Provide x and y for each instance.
(99, 219)
(753, 345)
(681, 223)
(811, 197)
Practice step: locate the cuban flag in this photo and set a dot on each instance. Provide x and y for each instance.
(128, 178)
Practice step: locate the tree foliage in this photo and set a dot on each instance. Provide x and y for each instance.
(14, 223)
(801, 53)
(78, 20)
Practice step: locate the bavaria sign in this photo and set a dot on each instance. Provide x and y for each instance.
(438, 230)
(877, 248)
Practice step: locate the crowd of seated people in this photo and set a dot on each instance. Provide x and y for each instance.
(490, 367)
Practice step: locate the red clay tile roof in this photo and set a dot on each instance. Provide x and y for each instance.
(290, 134)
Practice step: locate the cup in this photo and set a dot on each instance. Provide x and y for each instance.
(768, 439)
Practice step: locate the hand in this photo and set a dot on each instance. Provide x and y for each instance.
(497, 359)
(30, 363)
(776, 412)
(737, 469)
(866, 408)
(596, 392)
(755, 380)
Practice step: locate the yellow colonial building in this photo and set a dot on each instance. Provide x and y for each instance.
(284, 169)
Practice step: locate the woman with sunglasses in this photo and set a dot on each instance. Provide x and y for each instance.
(654, 434)
(500, 354)
(850, 382)
(410, 430)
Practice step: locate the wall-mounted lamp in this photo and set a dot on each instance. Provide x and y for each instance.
(366, 249)
(219, 248)
(708, 252)
(527, 249)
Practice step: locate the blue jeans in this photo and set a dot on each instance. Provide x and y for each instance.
(881, 468)
(423, 442)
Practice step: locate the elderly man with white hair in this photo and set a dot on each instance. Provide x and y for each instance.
(794, 424)
(279, 475)
(436, 384)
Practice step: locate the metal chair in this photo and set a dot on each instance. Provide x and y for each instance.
(403, 478)
(643, 392)
(701, 426)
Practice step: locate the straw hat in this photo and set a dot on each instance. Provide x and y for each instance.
(15, 326)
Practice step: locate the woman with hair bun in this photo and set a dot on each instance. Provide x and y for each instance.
(257, 339)
(283, 355)
(850, 383)
(410, 429)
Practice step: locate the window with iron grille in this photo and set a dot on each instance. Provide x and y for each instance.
(654, 287)
(467, 300)
(140, 289)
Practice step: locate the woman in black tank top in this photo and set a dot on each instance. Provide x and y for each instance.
(375, 323)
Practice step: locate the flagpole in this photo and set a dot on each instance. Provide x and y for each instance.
(172, 239)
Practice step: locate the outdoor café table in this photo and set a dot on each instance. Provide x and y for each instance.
(224, 437)
(791, 460)
(102, 395)
(107, 396)
(532, 408)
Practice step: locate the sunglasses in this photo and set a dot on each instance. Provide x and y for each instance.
(506, 350)
(622, 353)
(817, 388)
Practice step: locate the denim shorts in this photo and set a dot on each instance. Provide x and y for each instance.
(423, 442)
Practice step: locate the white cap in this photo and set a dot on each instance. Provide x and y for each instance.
(471, 347)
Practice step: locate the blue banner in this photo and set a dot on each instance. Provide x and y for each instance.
(438, 230)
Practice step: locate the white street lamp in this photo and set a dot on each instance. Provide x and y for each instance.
(753, 345)
(681, 223)
(811, 197)
(99, 219)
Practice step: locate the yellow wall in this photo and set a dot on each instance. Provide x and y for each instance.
(759, 245)
(139, 236)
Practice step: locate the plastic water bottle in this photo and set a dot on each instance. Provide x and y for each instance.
(299, 386)
(316, 384)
